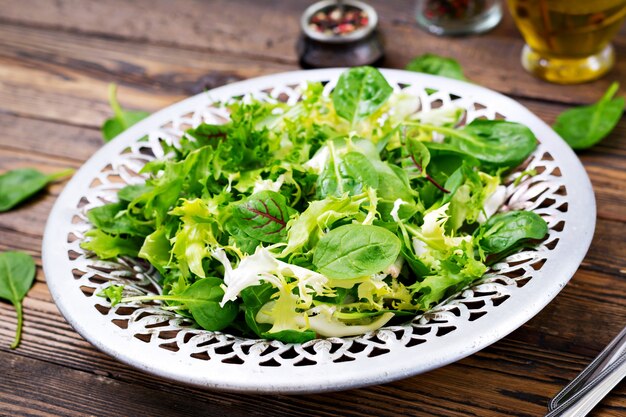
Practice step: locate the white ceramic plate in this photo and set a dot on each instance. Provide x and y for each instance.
(164, 344)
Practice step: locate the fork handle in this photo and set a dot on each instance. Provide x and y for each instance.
(590, 395)
(609, 354)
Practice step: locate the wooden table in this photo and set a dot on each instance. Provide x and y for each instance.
(56, 59)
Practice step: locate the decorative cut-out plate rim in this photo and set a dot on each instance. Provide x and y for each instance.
(400, 361)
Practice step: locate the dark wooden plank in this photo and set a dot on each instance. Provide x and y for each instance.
(41, 388)
(64, 143)
(259, 29)
(267, 31)
(64, 77)
(582, 319)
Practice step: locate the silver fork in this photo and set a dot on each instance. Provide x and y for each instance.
(593, 383)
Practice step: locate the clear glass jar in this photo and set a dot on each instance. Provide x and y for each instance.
(458, 17)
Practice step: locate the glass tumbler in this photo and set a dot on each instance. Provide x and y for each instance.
(568, 41)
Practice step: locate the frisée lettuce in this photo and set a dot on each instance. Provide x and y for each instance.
(332, 216)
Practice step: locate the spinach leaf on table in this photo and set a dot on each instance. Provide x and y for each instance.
(356, 250)
(122, 119)
(582, 127)
(359, 92)
(17, 272)
(437, 65)
(18, 185)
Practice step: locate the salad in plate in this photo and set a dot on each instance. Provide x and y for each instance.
(331, 217)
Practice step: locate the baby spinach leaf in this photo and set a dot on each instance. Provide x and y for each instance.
(202, 299)
(349, 174)
(496, 143)
(359, 171)
(582, 127)
(264, 216)
(355, 250)
(17, 272)
(122, 119)
(510, 231)
(393, 182)
(445, 159)
(359, 92)
(20, 184)
(437, 65)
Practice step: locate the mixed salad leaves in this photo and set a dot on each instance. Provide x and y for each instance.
(331, 217)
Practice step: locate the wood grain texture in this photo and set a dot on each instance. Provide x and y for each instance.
(56, 60)
(65, 76)
(266, 30)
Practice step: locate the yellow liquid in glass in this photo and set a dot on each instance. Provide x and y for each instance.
(568, 40)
